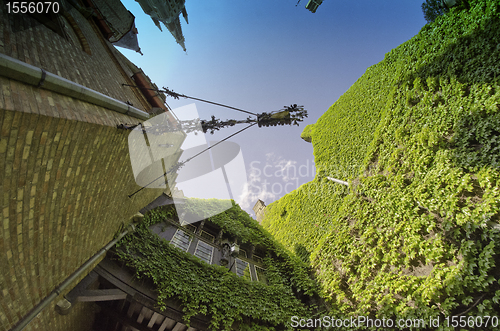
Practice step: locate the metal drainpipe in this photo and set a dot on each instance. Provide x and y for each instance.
(26, 73)
(55, 293)
(338, 181)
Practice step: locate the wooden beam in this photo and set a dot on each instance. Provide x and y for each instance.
(82, 286)
(124, 279)
(167, 322)
(179, 327)
(141, 315)
(153, 320)
(101, 295)
(131, 308)
(124, 320)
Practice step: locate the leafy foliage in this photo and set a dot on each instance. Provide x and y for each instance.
(213, 291)
(304, 216)
(307, 133)
(417, 136)
(432, 9)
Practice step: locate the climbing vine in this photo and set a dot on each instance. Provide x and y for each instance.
(212, 290)
(417, 233)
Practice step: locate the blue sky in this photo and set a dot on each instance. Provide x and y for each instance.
(264, 54)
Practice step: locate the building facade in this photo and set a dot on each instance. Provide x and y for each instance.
(68, 193)
(133, 302)
(221, 273)
(167, 12)
(259, 209)
(65, 170)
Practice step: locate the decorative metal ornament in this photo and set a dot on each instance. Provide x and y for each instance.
(224, 260)
(235, 250)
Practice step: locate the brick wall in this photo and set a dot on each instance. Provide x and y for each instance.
(24, 38)
(65, 172)
(65, 187)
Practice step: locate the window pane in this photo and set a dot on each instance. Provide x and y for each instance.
(243, 269)
(207, 236)
(181, 240)
(204, 251)
(190, 227)
(261, 276)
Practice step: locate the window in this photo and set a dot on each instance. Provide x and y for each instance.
(181, 240)
(261, 274)
(257, 259)
(242, 253)
(190, 227)
(207, 236)
(243, 269)
(204, 251)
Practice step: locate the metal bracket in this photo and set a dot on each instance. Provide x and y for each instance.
(42, 79)
(81, 293)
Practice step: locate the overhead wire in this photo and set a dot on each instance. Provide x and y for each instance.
(180, 164)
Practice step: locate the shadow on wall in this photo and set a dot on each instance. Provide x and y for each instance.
(302, 253)
(473, 62)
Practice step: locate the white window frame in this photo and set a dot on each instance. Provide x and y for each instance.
(256, 273)
(189, 227)
(243, 252)
(249, 268)
(211, 254)
(185, 234)
(208, 235)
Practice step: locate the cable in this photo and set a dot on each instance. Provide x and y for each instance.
(180, 164)
(177, 95)
(218, 104)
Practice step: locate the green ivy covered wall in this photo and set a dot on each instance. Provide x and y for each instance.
(231, 302)
(416, 234)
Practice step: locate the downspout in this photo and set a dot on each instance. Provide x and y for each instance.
(58, 290)
(26, 73)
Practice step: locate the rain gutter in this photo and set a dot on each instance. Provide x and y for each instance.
(26, 73)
